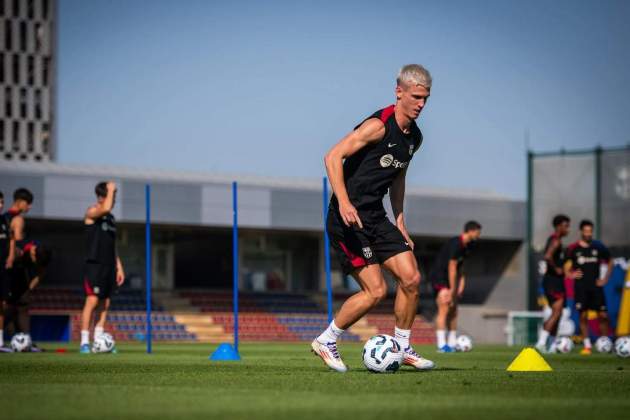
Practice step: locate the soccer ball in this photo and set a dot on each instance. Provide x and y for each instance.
(464, 343)
(21, 342)
(382, 353)
(103, 344)
(604, 344)
(563, 345)
(622, 347)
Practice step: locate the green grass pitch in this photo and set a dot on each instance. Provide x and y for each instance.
(284, 381)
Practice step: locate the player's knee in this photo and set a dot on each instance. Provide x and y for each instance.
(411, 282)
(378, 293)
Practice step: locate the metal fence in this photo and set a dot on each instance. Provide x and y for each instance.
(587, 184)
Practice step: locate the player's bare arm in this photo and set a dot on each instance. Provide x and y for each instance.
(100, 210)
(397, 198)
(371, 131)
(452, 277)
(120, 272)
(603, 281)
(461, 286)
(549, 256)
(16, 232)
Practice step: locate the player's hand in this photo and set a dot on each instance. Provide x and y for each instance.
(577, 274)
(601, 282)
(349, 215)
(111, 186)
(408, 240)
(120, 277)
(453, 297)
(460, 293)
(9, 263)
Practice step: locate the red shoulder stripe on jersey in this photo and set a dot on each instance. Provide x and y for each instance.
(387, 112)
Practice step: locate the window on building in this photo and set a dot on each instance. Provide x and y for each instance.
(8, 35)
(46, 70)
(8, 106)
(16, 69)
(45, 9)
(16, 8)
(23, 36)
(16, 136)
(30, 9)
(2, 75)
(30, 137)
(38, 104)
(30, 70)
(23, 102)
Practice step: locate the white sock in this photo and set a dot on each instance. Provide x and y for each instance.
(452, 338)
(98, 331)
(1, 338)
(402, 336)
(552, 343)
(85, 337)
(587, 343)
(441, 338)
(330, 334)
(542, 338)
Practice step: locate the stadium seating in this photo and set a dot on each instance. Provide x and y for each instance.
(207, 316)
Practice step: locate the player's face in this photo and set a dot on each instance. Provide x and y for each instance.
(587, 233)
(24, 206)
(412, 99)
(1, 203)
(564, 228)
(475, 234)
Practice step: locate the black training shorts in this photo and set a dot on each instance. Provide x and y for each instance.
(378, 241)
(589, 298)
(99, 279)
(554, 288)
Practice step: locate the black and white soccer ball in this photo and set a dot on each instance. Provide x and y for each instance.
(103, 344)
(382, 354)
(563, 345)
(463, 343)
(622, 347)
(604, 344)
(21, 342)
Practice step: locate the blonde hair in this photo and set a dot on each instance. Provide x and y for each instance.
(414, 74)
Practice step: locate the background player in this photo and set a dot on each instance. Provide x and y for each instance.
(11, 237)
(29, 268)
(377, 154)
(583, 265)
(448, 281)
(103, 268)
(553, 280)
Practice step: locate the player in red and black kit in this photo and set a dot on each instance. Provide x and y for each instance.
(103, 270)
(448, 281)
(363, 167)
(553, 280)
(28, 270)
(584, 259)
(12, 237)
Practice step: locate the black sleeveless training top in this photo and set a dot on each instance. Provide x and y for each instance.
(370, 172)
(101, 240)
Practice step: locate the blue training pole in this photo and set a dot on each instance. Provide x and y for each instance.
(148, 263)
(327, 251)
(235, 262)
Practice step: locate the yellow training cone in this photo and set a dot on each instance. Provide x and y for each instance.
(529, 360)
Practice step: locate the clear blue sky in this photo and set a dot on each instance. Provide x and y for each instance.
(266, 87)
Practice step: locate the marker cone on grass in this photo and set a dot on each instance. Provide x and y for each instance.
(529, 360)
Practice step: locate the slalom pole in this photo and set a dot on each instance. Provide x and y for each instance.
(327, 250)
(235, 262)
(148, 264)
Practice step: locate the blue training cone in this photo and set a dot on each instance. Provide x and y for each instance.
(224, 352)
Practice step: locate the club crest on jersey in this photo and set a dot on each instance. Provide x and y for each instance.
(367, 252)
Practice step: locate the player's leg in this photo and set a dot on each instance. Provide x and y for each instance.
(451, 324)
(91, 302)
(405, 268)
(555, 298)
(373, 289)
(602, 311)
(2, 306)
(586, 340)
(100, 317)
(442, 302)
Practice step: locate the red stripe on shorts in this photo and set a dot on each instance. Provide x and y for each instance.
(355, 260)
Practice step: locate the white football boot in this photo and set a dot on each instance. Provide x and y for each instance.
(329, 354)
(411, 358)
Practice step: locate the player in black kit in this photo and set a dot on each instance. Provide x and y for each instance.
(362, 167)
(448, 281)
(12, 237)
(553, 281)
(103, 269)
(584, 258)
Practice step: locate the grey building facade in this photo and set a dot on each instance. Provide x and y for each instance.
(27, 79)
